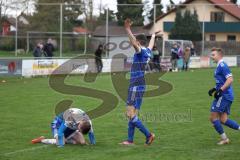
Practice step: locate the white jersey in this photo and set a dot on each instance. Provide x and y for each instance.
(73, 116)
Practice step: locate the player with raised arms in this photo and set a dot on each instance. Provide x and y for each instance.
(137, 83)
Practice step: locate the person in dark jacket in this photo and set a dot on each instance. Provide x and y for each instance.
(48, 48)
(37, 52)
(156, 60)
(98, 58)
(174, 57)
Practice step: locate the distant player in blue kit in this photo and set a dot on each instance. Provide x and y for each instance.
(69, 127)
(137, 83)
(223, 96)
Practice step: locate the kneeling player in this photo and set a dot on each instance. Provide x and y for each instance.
(69, 127)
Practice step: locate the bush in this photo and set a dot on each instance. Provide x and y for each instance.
(7, 43)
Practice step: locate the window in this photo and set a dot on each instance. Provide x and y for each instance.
(212, 37)
(217, 17)
(231, 38)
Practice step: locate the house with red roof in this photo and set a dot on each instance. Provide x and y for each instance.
(219, 19)
(9, 25)
(80, 30)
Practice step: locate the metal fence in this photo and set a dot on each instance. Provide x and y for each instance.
(103, 24)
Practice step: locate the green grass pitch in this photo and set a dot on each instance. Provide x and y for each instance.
(27, 108)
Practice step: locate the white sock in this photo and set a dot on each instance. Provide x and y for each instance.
(223, 136)
(70, 141)
(49, 141)
(239, 128)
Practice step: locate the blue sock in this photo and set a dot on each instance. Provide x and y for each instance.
(138, 123)
(131, 129)
(232, 124)
(218, 127)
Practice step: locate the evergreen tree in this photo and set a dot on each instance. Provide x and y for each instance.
(186, 27)
(178, 26)
(47, 17)
(132, 12)
(102, 18)
(159, 8)
(171, 6)
(196, 26)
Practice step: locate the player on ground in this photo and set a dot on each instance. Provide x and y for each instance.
(137, 83)
(69, 127)
(223, 94)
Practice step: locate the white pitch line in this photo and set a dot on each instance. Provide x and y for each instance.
(25, 150)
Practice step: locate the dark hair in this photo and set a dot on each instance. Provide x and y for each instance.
(85, 127)
(142, 39)
(219, 50)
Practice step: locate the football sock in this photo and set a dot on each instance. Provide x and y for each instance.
(223, 136)
(70, 141)
(131, 129)
(138, 123)
(232, 124)
(218, 127)
(49, 141)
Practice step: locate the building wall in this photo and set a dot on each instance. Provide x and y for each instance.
(120, 45)
(5, 28)
(204, 9)
(159, 24)
(222, 36)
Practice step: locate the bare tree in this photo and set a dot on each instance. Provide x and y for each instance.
(88, 12)
(11, 6)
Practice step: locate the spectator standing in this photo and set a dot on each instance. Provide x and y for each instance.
(193, 52)
(156, 62)
(37, 52)
(48, 48)
(98, 58)
(186, 57)
(174, 57)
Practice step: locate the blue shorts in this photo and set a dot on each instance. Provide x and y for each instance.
(221, 105)
(68, 132)
(135, 94)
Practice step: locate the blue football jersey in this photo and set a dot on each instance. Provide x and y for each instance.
(221, 74)
(138, 67)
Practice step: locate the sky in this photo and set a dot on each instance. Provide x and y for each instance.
(112, 4)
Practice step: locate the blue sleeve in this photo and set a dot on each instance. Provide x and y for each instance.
(91, 137)
(226, 71)
(55, 125)
(147, 52)
(61, 134)
(174, 51)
